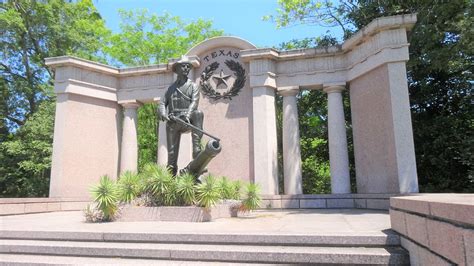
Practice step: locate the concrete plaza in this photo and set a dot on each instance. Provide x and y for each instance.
(317, 221)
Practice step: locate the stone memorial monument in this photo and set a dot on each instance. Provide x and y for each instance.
(96, 112)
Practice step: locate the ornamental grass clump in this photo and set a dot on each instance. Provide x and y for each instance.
(160, 184)
(106, 197)
(236, 190)
(207, 193)
(186, 189)
(251, 199)
(224, 185)
(128, 186)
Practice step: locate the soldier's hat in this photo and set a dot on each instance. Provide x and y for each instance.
(184, 60)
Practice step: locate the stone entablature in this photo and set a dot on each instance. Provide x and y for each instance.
(96, 114)
(382, 41)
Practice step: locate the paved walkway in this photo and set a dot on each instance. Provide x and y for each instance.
(320, 221)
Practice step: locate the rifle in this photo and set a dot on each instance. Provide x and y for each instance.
(177, 119)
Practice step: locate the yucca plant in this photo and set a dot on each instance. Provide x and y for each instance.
(225, 188)
(236, 190)
(207, 193)
(159, 183)
(186, 190)
(128, 186)
(170, 196)
(145, 177)
(105, 196)
(251, 199)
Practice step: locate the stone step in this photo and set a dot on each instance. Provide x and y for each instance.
(27, 259)
(208, 252)
(374, 239)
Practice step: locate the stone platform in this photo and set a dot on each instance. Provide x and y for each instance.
(9, 206)
(344, 236)
(437, 229)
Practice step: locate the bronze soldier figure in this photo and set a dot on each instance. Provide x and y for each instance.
(181, 101)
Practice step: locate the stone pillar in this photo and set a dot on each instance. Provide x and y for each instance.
(265, 146)
(383, 138)
(162, 148)
(129, 147)
(265, 140)
(291, 142)
(162, 151)
(338, 156)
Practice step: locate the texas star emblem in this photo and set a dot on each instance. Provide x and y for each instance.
(222, 81)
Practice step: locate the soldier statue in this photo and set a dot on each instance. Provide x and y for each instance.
(180, 103)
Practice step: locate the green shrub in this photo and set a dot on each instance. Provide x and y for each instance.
(128, 186)
(236, 190)
(159, 183)
(186, 190)
(207, 193)
(252, 198)
(106, 196)
(170, 195)
(225, 188)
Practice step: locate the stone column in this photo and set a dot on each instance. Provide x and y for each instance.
(291, 142)
(129, 148)
(162, 144)
(265, 147)
(338, 156)
(265, 140)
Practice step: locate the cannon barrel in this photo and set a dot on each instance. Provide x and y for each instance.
(196, 167)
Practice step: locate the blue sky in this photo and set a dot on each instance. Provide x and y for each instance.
(241, 18)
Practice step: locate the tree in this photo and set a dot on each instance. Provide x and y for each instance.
(32, 31)
(147, 39)
(151, 39)
(322, 13)
(440, 74)
(26, 155)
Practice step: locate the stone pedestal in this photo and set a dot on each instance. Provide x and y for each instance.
(338, 156)
(129, 152)
(291, 142)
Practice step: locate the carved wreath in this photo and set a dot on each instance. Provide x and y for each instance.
(239, 82)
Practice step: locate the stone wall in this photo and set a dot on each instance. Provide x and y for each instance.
(327, 201)
(437, 229)
(12, 206)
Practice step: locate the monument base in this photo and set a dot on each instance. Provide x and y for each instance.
(327, 201)
(175, 213)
